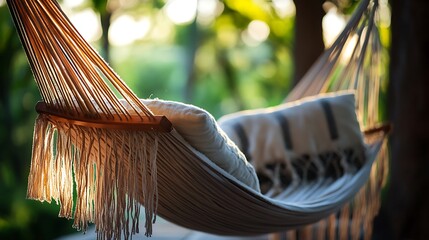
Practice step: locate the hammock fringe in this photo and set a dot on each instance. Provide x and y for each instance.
(354, 220)
(104, 175)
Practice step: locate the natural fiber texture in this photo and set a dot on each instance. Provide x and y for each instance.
(218, 204)
(299, 142)
(72, 78)
(352, 62)
(200, 129)
(111, 170)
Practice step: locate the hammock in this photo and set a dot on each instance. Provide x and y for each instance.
(100, 157)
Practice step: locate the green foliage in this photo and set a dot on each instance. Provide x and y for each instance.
(256, 76)
(149, 72)
(212, 61)
(99, 5)
(210, 65)
(19, 218)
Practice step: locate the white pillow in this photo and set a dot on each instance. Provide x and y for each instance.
(301, 134)
(200, 130)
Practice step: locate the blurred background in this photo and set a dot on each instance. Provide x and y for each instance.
(223, 56)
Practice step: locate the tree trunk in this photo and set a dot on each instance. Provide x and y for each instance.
(308, 36)
(191, 48)
(407, 203)
(231, 80)
(105, 20)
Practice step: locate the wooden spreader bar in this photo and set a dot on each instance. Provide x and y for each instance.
(142, 123)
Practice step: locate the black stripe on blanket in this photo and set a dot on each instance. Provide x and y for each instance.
(330, 119)
(284, 125)
(239, 130)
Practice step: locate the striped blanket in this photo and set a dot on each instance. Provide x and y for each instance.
(302, 141)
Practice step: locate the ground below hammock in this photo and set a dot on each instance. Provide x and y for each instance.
(164, 230)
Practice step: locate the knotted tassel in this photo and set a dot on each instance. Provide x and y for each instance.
(110, 171)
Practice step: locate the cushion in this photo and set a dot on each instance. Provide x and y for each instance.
(303, 140)
(200, 130)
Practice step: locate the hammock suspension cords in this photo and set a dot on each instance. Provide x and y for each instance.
(101, 157)
(92, 154)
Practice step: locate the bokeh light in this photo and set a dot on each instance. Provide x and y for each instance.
(333, 23)
(257, 31)
(88, 24)
(208, 10)
(284, 8)
(181, 11)
(125, 30)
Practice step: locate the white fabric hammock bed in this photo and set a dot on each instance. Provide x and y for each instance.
(101, 157)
